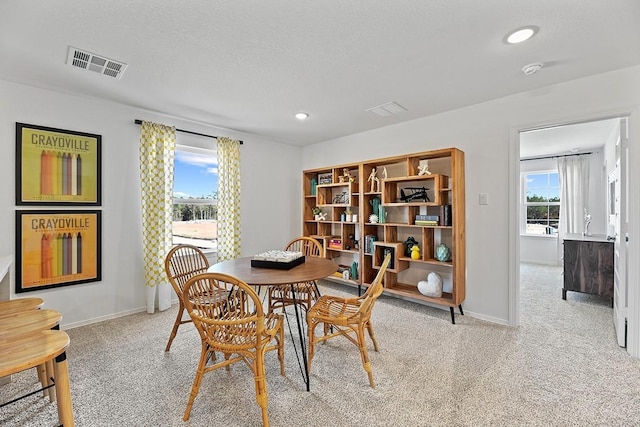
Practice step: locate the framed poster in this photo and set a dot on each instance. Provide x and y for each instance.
(57, 167)
(57, 248)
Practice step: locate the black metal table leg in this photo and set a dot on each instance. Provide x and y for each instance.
(303, 347)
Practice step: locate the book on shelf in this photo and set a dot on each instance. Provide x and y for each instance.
(427, 218)
(428, 223)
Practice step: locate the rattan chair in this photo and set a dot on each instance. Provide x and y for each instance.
(230, 319)
(347, 317)
(281, 296)
(182, 263)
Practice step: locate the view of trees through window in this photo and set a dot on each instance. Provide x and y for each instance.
(195, 198)
(542, 192)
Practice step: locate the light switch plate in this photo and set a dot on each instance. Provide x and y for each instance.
(483, 198)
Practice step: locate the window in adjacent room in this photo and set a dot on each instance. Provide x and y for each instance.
(542, 202)
(195, 197)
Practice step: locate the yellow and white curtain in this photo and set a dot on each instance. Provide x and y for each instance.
(157, 151)
(229, 198)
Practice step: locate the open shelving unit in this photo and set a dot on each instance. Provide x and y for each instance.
(402, 194)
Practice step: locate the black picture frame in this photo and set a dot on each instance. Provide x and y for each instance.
(57, 248)
(57, 167)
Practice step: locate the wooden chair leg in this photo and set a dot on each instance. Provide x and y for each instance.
(372, 336)
(365, 356)
(281, 348)
(176, 324)
(260, 378)
(195, 388)
(311, 326)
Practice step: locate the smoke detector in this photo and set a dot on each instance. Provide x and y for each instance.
(97, 63)
(532, 68)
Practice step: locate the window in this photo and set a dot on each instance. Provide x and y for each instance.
(195, 197)
(542, 202)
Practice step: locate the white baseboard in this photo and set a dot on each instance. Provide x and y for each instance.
(107, 317)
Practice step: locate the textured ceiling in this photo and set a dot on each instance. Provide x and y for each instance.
(250, 65)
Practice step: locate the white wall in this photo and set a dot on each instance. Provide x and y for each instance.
(487, 133)
(270, 206)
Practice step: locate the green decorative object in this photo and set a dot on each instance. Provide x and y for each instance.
(354, 270)
(375, 204)
(443, 253)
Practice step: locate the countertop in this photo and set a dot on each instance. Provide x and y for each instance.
(591, 238)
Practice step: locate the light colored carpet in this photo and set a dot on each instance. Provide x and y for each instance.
(561, 367)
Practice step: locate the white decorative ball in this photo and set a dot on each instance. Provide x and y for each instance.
(373, 219)
(432, 287)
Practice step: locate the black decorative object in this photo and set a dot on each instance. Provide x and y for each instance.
(409, 244)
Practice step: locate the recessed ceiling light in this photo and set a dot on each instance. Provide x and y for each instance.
(521, 34)
(301, 116)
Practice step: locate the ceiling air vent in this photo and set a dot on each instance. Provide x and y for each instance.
(92, 62)
(387, 109)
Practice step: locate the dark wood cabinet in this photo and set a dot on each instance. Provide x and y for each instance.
(588, 265)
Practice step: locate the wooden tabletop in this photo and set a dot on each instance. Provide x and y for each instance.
(31, 350)
(20, 304)
(27, 322)
(313, 268)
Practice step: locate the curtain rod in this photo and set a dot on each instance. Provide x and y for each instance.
(555, 157)
(139, 122)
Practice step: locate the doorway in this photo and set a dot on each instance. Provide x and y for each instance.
(539, 247)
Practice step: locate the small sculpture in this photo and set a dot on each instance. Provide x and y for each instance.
(384, 172)
(424, 169)
(354, 270)
(409, 244)
(375, 204)
(373, 219)
(322, 216)
(432, 287)
(346, 175)
(415, 252)
(375, 181)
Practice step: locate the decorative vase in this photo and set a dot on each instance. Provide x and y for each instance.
(382, 214)
(348, 218)
(354, 217)
(317, 217)
(343, 217)
(443, 253)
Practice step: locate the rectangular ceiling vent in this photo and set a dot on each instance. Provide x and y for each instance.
(388, 109)
(92, 62)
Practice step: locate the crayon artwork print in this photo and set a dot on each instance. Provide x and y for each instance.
(57, 167)
(57, 248)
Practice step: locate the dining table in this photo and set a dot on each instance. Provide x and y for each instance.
(312, 269)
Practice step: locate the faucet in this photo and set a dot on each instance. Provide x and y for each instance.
(587, 221)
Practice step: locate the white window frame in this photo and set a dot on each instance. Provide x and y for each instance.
(524, 203)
